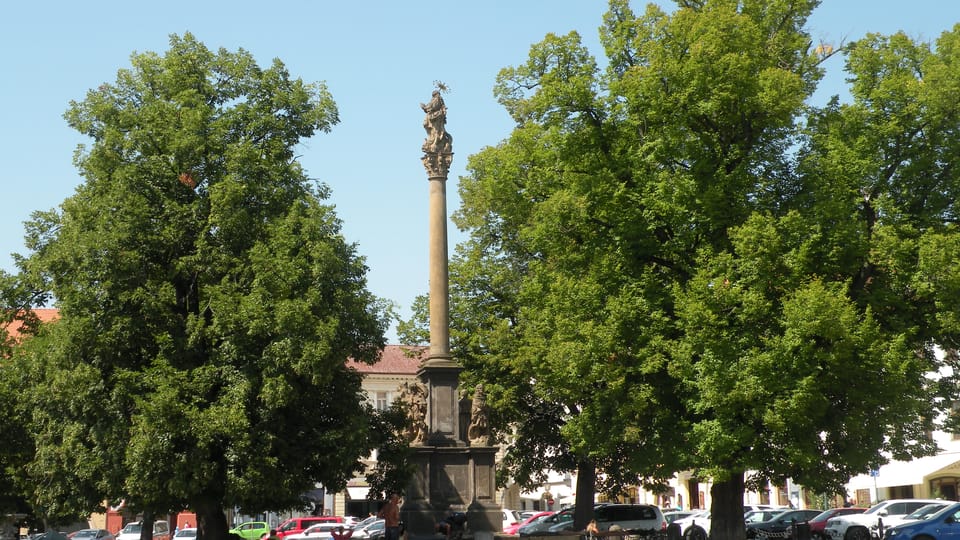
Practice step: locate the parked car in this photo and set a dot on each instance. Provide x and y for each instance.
(857, 526)
(759, 516)
(530, 519)
(818, 523)
(318, 531)
(944, 525)
(131, 531)
(673, 515)
(372, 531)
(186, 533)
(510, 518)
(251, 530)
(696, 527)
(364, 522)
(92, 534)
(542, 526)
(299, 524)
(49, 535)
(697, 518)
(757, 507)
(629, 517)
(920, 513)
(780, 523)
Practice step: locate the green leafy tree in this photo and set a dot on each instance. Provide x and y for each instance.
(208, 300)
(668, 269)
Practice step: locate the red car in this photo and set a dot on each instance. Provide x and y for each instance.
(299, 524)
(512, 529)
(818, 523)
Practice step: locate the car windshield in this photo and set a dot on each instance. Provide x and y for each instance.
(186, 532)
(87, 533)
(823, 516)
(925, 511)
(131, 528)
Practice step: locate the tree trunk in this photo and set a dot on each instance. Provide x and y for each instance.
(211, 521)
(146, 526)
(586, 486)
(726, 511)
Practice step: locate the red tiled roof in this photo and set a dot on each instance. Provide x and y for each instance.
(44, 314)
(395, 359)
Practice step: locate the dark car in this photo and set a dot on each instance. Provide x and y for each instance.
(756, 516)
(780, 524)
(92, 534)
(818, 523)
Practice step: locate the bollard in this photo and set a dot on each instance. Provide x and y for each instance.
(800, 531)
(673, 531)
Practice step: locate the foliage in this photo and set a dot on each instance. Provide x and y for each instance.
(394, 468)
(208, 300)
(675, 263)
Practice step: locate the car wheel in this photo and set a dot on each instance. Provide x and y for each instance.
(697, 533)
(857, 533)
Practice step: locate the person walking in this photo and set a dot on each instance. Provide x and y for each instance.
(390, 514)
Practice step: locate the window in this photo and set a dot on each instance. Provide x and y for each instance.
(381, 401)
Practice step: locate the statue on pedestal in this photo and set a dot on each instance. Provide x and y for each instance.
(414, 397)
(479, 431)
(438, 140)
(438, 146)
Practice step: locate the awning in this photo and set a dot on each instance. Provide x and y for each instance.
(536, 494)
(909, 473)
(358, 493)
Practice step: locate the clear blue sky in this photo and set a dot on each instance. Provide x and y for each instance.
(379, 59)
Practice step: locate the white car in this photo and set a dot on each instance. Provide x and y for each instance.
(187, 533)
(510, 517)
(675, 515)
(131, 531)
(629, 517)
(371, 530)
(314, 532)
(921, 513)
(857, 526)
(695, 527)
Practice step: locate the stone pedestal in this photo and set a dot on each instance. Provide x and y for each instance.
(452, 479)
(441, 377)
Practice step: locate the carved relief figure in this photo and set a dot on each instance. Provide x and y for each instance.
(414, 397)
(479, 431)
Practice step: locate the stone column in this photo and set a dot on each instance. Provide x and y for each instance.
(439, 373)
(439, 275)
(451, 476)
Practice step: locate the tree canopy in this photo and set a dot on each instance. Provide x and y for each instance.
(676, 262)
(207, 300)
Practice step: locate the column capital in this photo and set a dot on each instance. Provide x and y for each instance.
(437, 165)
